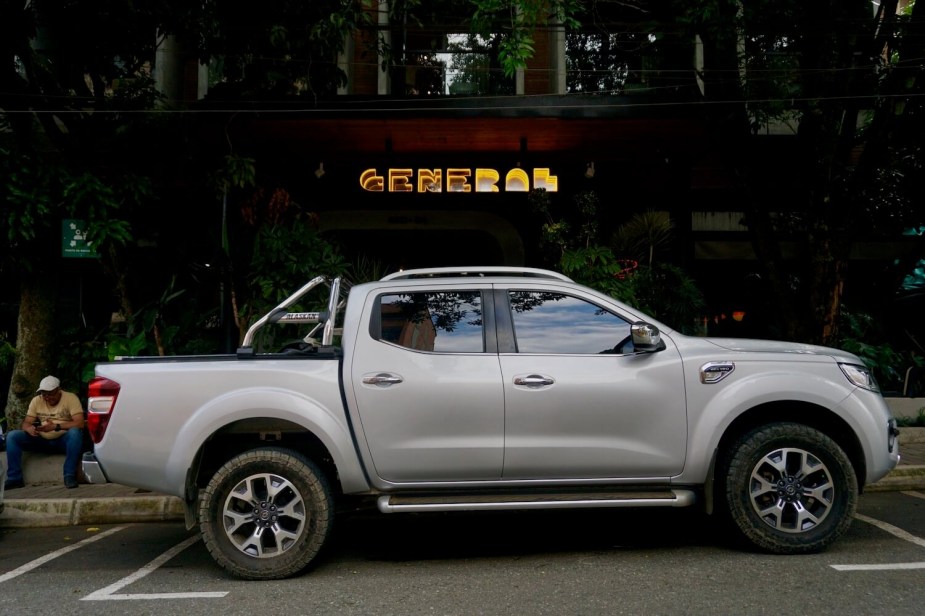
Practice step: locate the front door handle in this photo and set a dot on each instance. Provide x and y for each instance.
(383, 379)
(534, 380)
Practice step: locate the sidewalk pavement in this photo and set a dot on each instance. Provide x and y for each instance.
(46, 502)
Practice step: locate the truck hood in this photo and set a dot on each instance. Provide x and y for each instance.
(776, 346)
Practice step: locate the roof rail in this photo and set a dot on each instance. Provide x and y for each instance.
(478, 272)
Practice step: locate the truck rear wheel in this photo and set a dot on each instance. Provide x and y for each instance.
(266, 514)
(790, 489)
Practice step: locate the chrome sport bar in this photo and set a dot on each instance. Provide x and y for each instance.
(280, 314)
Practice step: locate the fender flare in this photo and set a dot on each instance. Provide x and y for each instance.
(329, 426)
(732, 402)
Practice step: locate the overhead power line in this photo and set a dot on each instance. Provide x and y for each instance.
(423, 109)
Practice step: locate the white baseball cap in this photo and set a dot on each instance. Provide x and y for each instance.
(49, 383)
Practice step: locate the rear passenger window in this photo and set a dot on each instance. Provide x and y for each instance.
(558, 323)
(442, 322)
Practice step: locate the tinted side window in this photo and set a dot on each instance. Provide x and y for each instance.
(557, 323)
(443, 322)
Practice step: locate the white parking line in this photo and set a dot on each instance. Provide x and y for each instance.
(53, 555)
(108, 593)
(879, 567)
(896, 532)
(893, 530)
(915, 494)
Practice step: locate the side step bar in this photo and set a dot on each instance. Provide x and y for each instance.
(481, 502)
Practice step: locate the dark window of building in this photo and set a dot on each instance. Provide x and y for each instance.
(622, 50)
(598, 63)
(461, 64)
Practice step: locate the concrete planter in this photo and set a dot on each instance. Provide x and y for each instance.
(911, 435)
(905, 407)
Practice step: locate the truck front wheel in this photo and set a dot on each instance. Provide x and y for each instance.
(790, 489)
(266, 514)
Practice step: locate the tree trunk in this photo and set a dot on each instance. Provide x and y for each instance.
(829, 130)
(829, 270)
(35, 358)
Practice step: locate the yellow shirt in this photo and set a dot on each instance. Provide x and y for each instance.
(68, 406)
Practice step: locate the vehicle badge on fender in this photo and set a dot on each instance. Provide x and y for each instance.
(715, 371)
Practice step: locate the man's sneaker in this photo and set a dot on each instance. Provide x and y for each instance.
(70, 482)
(12, 484)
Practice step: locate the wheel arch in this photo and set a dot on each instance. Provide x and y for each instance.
(806, 413)
(250, 418)
(255, 432)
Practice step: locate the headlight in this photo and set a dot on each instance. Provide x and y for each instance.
(860, 376)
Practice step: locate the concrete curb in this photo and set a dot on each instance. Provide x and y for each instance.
(40, 513)
(909, 477)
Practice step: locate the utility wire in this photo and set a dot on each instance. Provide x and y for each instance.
(421, 109)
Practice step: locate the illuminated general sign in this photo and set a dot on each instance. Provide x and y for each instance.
(457, 180)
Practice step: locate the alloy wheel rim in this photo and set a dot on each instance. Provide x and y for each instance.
(264, 515)
(791, 490)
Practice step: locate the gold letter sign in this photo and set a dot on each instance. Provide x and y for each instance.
(457, 180)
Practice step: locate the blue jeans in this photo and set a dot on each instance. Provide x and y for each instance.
(17, 441)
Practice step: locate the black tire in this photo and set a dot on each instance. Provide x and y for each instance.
(266, 514)
(790, 489)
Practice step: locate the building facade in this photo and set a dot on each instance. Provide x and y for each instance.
(427, 156)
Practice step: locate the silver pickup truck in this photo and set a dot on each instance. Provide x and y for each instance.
(488, 388)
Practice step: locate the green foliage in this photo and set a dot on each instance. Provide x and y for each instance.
(667, 293)
(554, 233)
(127, 347)
(165, 326)
(518, 20)
(239, 172)
(916, 421)
(473, 64)
(28, 191)
(38, 194)
(661, 290)
(365, 269)
(586, 203)
(79, 355)
(285, 251)
(596, 267)
(276, 48)
(7, 353)
(863, 335)
(644, 235)
(285, 256)
(106, 205)
(856, 173)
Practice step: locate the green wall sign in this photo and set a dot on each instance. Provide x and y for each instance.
(74, 240)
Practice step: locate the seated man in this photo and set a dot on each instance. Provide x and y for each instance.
(53, 423)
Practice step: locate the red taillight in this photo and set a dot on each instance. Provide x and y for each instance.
(101, 400)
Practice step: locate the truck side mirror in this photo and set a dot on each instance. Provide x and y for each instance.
(646, 337)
